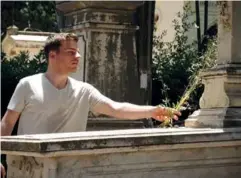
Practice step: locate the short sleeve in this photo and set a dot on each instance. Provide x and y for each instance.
(96, 98)
(17, 101)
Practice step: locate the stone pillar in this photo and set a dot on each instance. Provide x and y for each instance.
(221, 101)
(107, 42)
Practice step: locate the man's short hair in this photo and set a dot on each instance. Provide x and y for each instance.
(53, 42)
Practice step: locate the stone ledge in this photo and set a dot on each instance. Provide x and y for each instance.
(215, 118)
(223, 70)
(97, 140)
(103, 28)
(99, 16)
(69, 6)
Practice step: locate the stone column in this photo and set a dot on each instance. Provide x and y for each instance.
(106, 33)
(221, 101)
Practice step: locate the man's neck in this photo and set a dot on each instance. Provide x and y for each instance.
(58, 80)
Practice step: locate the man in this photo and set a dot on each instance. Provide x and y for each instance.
(53, 102)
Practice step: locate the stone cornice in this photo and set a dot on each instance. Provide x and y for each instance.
(69, 6)
(115, 139)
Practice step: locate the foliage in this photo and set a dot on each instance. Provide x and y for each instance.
(207, 60)
(40, 14)
(16, 68)
(176, 65)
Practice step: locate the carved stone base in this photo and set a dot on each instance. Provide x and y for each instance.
(215, 118)
(221, 100)
(222, 87)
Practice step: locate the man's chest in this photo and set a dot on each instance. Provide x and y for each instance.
(48, 100)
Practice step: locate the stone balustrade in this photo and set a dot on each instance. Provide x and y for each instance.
(175, 153)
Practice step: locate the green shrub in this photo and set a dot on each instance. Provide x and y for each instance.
(177, 63)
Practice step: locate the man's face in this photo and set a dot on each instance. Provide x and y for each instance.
(67, 58)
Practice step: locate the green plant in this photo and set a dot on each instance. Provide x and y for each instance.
(208, 61)
(176, 66)
(14, 69)
(38, 15)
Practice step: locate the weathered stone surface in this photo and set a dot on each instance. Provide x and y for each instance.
(109, 58)
(47, 143)
(183, 162)
(25, 167)
(136, 153)
(113, 59)
(106, 33)
(69, 6)
(98, 16)
(215, 117)
(222, 88)
(229, 33)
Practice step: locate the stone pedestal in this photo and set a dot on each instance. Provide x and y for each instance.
(169, 153)
(221, 101)
(107, 44)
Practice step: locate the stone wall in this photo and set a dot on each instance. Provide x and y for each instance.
(174, 153)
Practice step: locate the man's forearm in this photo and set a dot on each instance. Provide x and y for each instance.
(132, 111)
(8, 121)
(5, 129)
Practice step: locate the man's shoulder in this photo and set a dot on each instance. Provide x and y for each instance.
(32, 78)
(80, 84)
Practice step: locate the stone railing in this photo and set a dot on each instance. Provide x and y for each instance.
(136, 153)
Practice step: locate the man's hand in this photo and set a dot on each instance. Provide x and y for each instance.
(3, 172)
(162, 113)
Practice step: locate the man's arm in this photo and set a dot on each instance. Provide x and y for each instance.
(104, 105)
(132, 111)
(8, 121)
(14, 109)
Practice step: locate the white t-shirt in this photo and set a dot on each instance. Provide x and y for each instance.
(46, 109)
